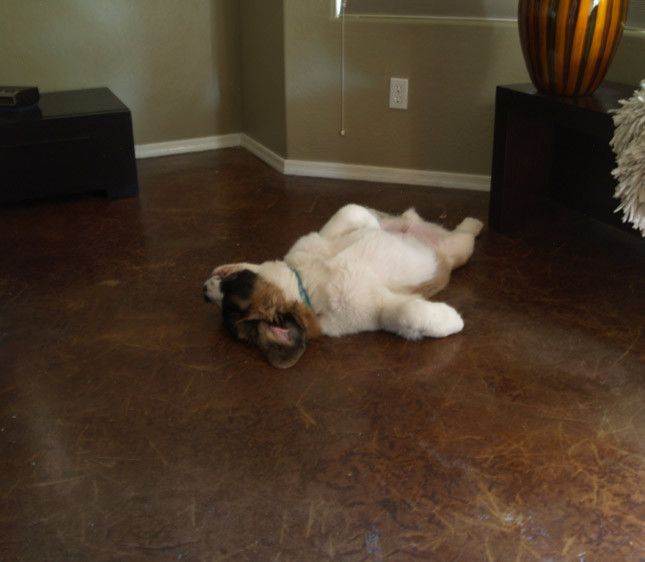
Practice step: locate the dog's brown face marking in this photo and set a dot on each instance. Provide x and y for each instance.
(256, 311)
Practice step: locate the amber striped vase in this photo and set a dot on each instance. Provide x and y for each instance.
(568, 44)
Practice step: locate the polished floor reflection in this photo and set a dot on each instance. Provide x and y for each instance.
(133, 429)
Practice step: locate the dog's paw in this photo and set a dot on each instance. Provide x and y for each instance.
(470, 225)
(411, 216)
(445, 320)
(420, 319)
(223, 271)
(348, 218)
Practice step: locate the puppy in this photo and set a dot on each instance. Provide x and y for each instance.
(364, 270)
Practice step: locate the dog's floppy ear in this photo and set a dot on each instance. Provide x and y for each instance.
(282, 343)
(256, 311)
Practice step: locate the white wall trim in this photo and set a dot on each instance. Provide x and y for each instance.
(339, 170)
(342, 171)
(273, 159)
(183, 146)
(309, 168)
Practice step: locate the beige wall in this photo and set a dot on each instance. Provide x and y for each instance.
(263, 72)
(270, 68)
(453, 69)
(174, 63)
(628, 65)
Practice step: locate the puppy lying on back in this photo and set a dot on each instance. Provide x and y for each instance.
(364, 270)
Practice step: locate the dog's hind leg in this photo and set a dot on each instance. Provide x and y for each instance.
(458, 245)
(470, 225)
(411, 224)
(438, 281)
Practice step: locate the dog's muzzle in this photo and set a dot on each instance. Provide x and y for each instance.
(211, 290)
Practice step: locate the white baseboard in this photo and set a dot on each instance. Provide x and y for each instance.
(273, 159)
(339, 170)
(342, 171)
(334, 170)
(183, 146)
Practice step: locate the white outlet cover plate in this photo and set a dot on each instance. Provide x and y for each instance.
(398, 93)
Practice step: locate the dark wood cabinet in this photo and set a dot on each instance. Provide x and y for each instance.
(553, 149)
(72, 142)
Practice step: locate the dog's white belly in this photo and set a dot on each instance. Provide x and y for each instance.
(395, 260)
(348, 274)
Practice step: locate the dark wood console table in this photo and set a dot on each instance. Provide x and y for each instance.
(549, 148)
(72, 142)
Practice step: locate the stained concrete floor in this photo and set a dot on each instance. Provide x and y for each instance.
(132, 428)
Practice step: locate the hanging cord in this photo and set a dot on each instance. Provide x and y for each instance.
(343, 7)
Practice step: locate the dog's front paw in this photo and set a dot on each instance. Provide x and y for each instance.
(348, 218)
(420, 319)
(223, 271)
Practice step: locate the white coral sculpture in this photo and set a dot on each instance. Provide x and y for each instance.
(629, 146)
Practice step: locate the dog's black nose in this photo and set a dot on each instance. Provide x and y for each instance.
(205, 293)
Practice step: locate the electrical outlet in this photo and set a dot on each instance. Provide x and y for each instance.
(398, 93)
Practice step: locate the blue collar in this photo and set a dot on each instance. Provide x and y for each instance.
(301, 289)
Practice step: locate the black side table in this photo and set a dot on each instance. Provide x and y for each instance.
(549, 148)
(73, 142)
